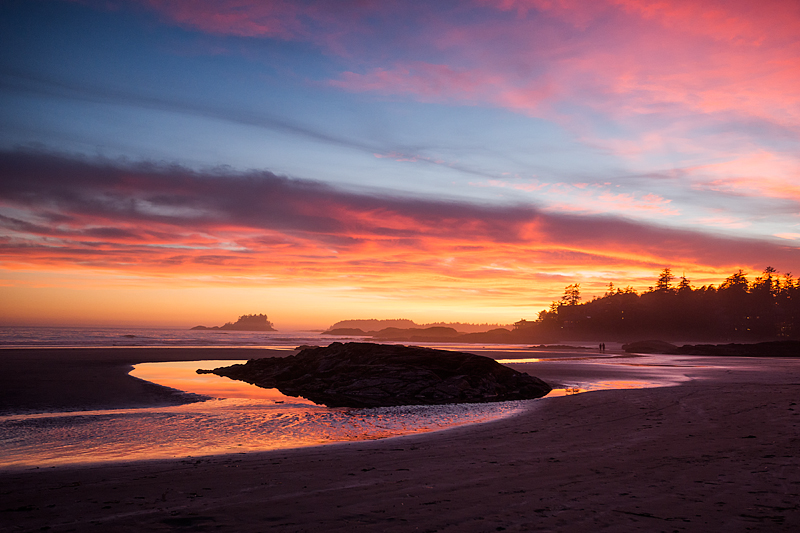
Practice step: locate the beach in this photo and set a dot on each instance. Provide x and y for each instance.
(716, 452)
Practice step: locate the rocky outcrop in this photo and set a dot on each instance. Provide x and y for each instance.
(245, 323)
(432, 334)
(377, 375)
(347, 332)
(652, 346)
(760, 349)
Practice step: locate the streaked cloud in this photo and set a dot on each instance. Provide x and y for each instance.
(663, 89)
(168, 220)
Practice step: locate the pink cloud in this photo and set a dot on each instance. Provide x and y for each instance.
(760, 173)
(251, 18)
(593, 198)
(738, 21)
(725, 222)
(624, 58)
(427, 82)
(648, 202)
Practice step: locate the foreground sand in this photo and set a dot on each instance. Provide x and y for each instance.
(717, 453)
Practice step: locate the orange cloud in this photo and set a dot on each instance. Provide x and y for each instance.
(708, 56)
(171, 223)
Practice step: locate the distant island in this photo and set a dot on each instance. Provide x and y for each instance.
(431, 334)
(245, 323)
(373, 326)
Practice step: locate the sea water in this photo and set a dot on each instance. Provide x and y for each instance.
(77, 337)
(217, 426)
(42, 337)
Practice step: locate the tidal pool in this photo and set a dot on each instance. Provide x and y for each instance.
(238, 418)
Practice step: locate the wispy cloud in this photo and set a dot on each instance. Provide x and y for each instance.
(591, 198)
(425, 81)
(30, 83)
(667, 87)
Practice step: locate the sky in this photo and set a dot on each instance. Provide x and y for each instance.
(173, 163)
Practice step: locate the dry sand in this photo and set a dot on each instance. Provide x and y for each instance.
(717, 453)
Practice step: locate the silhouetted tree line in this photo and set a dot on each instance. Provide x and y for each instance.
(738, 310)
(258, 322)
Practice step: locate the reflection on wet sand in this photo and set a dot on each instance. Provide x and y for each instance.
(183, 376)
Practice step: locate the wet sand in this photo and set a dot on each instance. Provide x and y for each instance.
(64, 379)
(715, 453)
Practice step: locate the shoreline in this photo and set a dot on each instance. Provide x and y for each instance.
(714, 453)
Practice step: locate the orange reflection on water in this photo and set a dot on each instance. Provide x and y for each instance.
(624, 384)
(183, 376)
(568, 391)
(605, 385)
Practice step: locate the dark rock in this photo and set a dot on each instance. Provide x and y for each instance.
(660, 347)
(377, 375)
(497, 335)
(759, 349)
(345, 331)
(564, 347)
(245, 323)
(432, 334)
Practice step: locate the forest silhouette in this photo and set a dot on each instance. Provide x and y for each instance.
(768, 308)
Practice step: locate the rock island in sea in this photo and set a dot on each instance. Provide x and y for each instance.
(245, 323)
(380, 375)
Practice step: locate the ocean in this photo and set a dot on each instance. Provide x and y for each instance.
(24, 337)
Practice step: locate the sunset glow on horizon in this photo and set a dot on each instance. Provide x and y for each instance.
(180, 163)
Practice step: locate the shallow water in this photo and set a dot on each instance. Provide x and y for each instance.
(240, 418)
(215, 427)
(579, 373)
